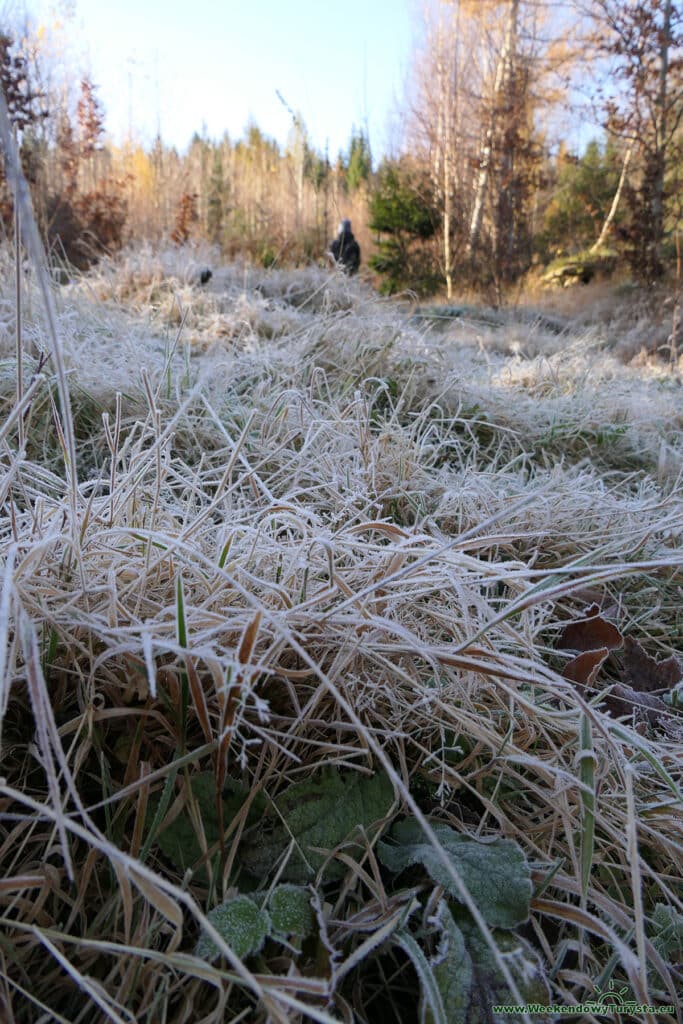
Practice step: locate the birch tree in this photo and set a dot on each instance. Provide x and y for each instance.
(609, 219)
(477, 83)
(502, 81)
(447, 122)
(435, 130)
(448, 81)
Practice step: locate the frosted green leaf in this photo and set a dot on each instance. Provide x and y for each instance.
(241, 923)
(430, 996)
(178, 842)
(290, 910)
(668, 931)
(490, 987)
(452, 970)
(495, 873)
(319, 813)
(461, 982)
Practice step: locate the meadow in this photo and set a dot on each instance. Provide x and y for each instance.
(339, 652)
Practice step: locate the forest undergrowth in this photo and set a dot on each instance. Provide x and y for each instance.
(340, 657)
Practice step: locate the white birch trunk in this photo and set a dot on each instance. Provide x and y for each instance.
(615, 201)
(502, 75)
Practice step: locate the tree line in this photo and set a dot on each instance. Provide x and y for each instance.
(248, 196)
(488, 183)
(490, 178)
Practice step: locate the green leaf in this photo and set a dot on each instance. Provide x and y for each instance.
(495, 873)
(240, 922)
(489, 986)
(461, 982)
(181, 625)
(290, 910)
(431, 996)
(179, 841)
(452, 969)
(157, 806)
(319, 813)
(667, 937)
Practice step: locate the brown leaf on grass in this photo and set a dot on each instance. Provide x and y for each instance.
(642, 676)
(646, 674)
(624, 700)
(583, 669)
(591, 633)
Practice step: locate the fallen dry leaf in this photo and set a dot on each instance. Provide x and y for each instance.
(646, 674)
(624, 700)
(591, 633)
(584, 668)
(643, 676)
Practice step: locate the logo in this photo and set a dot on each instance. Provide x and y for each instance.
(614, 999)
(607, 1002)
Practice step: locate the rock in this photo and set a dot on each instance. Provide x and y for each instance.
(579, 268)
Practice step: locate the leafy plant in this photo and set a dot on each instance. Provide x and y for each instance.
(495, 873)
(179, 840)
(461, 981)
(240, 922)
(246, 921)
(310, 819)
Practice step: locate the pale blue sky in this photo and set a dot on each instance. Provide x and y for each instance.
(194, 62)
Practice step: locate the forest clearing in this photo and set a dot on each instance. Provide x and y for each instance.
(341, 642)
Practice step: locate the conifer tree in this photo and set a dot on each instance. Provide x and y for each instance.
(359, 167)
(215, 199)
(402, 213)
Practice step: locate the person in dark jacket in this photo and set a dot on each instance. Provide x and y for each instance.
(345, 249)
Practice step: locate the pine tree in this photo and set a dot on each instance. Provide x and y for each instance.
(215, 199)
(359, 165)
(402, 210)
(90, 118)
(25, 103)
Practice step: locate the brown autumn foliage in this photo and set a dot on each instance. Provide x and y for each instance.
(590, 633)
(186, 218)
(647, 675)
(644, 680)
(584, 668)
(82, 210)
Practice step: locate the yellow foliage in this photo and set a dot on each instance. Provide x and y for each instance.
(142, 170)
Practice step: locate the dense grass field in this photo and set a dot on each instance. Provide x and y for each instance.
(338, 655)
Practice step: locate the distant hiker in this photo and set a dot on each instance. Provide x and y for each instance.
(345, 249)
